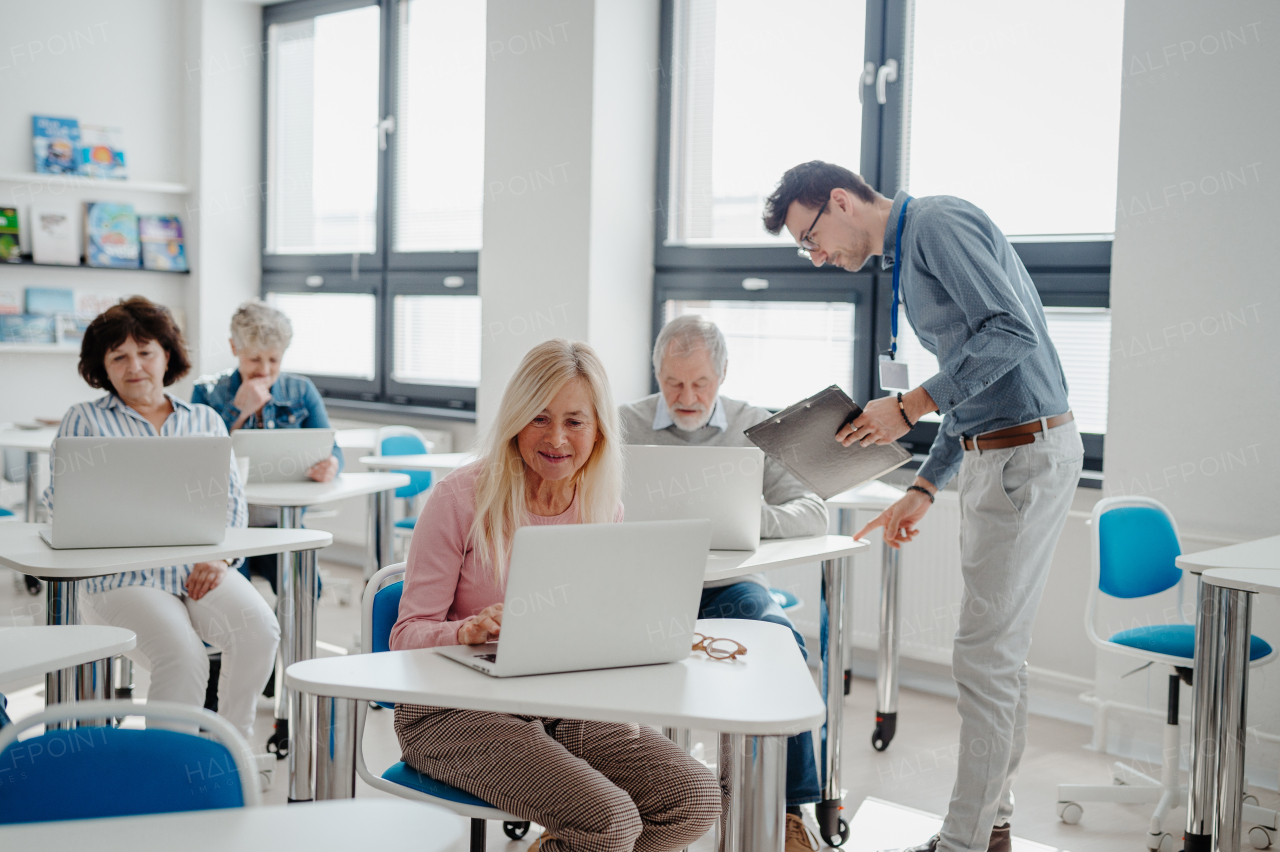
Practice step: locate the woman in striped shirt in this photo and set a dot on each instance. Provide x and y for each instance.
(134, 350)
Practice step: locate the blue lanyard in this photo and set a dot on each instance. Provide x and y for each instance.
(897, 264)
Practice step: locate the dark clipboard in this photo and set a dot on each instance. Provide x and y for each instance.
(802, 439)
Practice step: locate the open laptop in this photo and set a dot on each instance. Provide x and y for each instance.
(596, 596)
(722, 484)
(139, 492)
(281, 455)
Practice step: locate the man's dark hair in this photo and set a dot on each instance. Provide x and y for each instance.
(811, 184)
(144, 321)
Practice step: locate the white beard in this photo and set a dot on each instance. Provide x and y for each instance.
(691, 424)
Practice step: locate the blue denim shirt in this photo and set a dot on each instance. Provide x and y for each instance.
(295, 403)
(972, 304)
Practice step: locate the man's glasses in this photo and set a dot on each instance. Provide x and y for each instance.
(807, 245)
(718, 649)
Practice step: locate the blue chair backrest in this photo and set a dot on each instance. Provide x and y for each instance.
(408, 445)
(1137, 547)
(386, 609)
(95, 772)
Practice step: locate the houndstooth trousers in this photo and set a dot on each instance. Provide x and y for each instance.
(595, 786)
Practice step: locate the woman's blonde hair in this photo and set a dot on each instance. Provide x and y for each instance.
(500, 488)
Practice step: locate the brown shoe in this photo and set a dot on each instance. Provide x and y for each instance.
(799, 837)
(1001, 839)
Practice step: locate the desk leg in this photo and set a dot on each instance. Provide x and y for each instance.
(1219, 695)
(290, 517)
(381, 546)
(29, 513)
(335, 748)
(835, 573)
(887, 649)
(755, 781)
(61, 608)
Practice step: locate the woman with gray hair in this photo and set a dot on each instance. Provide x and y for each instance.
(256, 395)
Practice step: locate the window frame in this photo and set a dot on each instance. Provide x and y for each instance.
(384, 272)
(1068, 272)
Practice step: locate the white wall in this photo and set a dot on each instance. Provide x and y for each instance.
(570, 124)
(1194, 385)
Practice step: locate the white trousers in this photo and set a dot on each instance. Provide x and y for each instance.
(1013, 504)
(172, 630)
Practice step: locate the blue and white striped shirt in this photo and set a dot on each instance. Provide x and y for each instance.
(111, 416)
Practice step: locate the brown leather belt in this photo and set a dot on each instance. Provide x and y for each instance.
(1014, 436)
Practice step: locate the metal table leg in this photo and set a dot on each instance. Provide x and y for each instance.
(29, 513)
(296, 611)
(756, 783)
(1215, 788)
(835, 574)
(61, 608)
(335, 748)
(887, 650)
(381, 546)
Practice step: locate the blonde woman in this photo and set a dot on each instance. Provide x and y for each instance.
(554, 456)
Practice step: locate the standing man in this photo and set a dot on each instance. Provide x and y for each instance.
(1006, 430)
(690, 359)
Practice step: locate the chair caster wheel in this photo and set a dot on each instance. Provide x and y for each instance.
(886, 727)
(515, 830)
(1260, 838)
(1070, 812)
(838, 839)
(1163, 842)
(278, 743)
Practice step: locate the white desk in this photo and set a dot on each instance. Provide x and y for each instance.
(877, 496)
(759, 699)
(345, 825)
(440, 463)
(1215, 788)
(297, 579)
(22, 549)
(27, 651)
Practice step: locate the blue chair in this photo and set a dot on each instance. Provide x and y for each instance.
(379, 609)
(92, 772)
(1135, 542)
(5, 513)
(786, 600)
(405, 441)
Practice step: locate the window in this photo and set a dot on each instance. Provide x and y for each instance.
(735, 101)
(767, 340)
(374, 174)
(1013, 106)
(333, 333)
(322, 120)
(437, 340)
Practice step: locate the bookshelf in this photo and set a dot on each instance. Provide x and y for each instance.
(82, 182)
(28, 262)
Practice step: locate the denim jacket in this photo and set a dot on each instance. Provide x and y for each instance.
(295, 403)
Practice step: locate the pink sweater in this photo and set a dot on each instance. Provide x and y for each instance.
(445, 584)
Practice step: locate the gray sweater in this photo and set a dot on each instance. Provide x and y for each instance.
(788, 510)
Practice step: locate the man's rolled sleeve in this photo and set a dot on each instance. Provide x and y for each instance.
(944, 460)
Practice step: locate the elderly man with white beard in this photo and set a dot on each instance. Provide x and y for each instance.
(690, 360)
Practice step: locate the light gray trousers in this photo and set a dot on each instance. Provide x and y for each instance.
(1013, 504)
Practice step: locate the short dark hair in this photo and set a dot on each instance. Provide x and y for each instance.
(811, 184)
(144, 321)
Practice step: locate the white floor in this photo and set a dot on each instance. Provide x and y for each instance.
(893, 798)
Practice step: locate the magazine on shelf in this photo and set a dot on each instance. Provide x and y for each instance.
(57, 145)
(54, 235)
(50, 301)
(27, 328)
(10, 245)
(102, 152)
(111, 235)
(162, 245)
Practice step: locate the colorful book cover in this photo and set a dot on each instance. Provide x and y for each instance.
(102, 152)
(89, 304)
(57, 144)
(162, 245)
(111, 235)
(50, 301)
(10, 248)
(54, 235)
(25, 328)
(10, 301)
